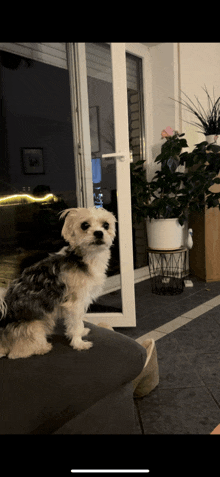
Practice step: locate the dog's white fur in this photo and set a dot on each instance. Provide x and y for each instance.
(82, 285)
(83, 288)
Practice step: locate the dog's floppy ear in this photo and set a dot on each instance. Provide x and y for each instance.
(63, 213)
(67, 229)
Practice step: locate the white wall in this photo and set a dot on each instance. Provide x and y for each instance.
(165, 112)
(163, 87)
(185, 66)
(199, 66)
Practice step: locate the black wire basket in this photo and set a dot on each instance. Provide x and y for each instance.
(167, 271)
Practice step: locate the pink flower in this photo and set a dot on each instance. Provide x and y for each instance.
(167, 132)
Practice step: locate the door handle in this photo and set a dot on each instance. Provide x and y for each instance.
(118, 155)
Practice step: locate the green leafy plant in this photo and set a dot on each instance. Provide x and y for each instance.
(173, 194)
(209, 121)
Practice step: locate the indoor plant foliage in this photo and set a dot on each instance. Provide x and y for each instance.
(160, 197)
(165, 198)
(209, 121)
(173, 194)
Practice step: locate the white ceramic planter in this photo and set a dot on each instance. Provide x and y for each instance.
(165, 234)
(213, 138)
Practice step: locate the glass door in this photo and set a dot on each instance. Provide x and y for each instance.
(37, 161)
(102, 106)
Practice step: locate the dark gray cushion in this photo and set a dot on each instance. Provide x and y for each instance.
(113, 414)
(41, 393)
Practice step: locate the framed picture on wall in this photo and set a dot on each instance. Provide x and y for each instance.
(32, 160)
(94, 128)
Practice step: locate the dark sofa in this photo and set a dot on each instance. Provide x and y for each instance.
(72, 392)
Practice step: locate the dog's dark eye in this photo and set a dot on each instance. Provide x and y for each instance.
(106, 225)
(85, 225)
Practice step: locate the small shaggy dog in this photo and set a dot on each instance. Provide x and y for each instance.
(71, 278)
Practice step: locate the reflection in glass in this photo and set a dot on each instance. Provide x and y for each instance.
(37, 172)
(97, 180)
(100, 96)
(101, 115)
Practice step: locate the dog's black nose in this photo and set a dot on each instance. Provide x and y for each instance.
(98, 234)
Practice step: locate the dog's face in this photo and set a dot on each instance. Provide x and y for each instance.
(89, 229)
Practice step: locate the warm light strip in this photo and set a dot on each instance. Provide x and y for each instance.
(35, 199)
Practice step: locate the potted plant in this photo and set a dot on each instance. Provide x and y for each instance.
(209, 121)
(169, 197)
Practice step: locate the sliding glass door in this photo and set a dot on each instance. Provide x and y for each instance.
(72, 119)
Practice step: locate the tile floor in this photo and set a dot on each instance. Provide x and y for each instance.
(186, 329)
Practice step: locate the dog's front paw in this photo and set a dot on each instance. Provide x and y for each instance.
(86, 345)
(86, 331)
(79, 344)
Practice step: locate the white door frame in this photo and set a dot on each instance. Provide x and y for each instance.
(128, 315)
(141, 51)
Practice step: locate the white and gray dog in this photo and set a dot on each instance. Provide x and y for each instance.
(71, 278)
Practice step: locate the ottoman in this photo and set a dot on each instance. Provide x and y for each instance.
(73, 392)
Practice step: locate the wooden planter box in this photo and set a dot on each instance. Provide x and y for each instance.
(204, 257)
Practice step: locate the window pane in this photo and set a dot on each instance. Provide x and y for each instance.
(136, 140)
(37, 173)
